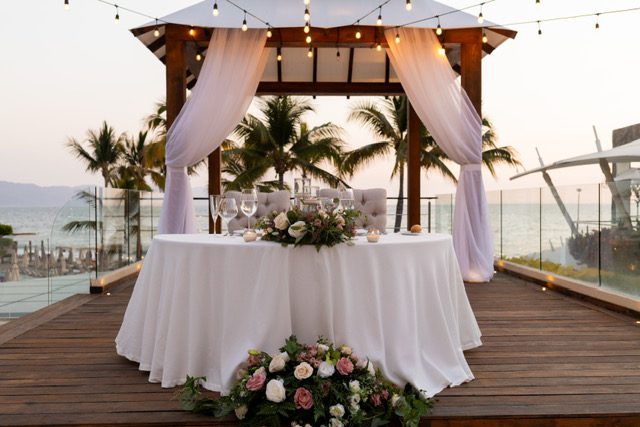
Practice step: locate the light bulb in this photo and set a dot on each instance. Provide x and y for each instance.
(439, 30)
(597, 21)
(379, 47)
(358, 35)
(308, 39)
(397, 38)
(409, 6)
(379, 21)
(307, 16)
(484, 37)
(117, 18)
(338, 54)
(310, 53)
(307, 28)
(269, 33)
(198, 57)
(192, 31)
(537, 1)
(442, 51)
(306, 2)
(244, 25)
(215, 12)
(480, 18)
(66, 4)
(279, 57)
(156, 32)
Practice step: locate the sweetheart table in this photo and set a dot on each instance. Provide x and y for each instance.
(201, 301)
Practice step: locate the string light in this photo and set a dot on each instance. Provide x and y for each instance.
(117, 15)
(156, 31)
(442, 50)
(338, 54)
(307, 28)
(192, 31)
(66, 4)
(307, 15)
(215, 11)
(379, 21)
(308, 39)
(397, 38)
(198, 56)
(597, 21)
(409, 6)
(306, 2)
(279, 57)
(269, 33)
(484, 37)
(378, 47)
(439, 28)
(539, 29)
(537, 1)
(310, 52)
(358, 34)
(480, 15)
(244, 22)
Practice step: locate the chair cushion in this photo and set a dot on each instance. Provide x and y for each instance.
(371, 202)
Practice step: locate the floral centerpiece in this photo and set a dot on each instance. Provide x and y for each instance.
(317, 228)
(310, 385)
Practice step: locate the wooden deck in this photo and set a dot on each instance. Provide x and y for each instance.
(547, 360)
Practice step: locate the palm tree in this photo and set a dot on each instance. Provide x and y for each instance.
(389, 124)
(103, 154)
(281, 141)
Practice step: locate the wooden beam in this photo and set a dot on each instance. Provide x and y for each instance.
(215, 184)
(176, 73)
(471, 70)
(350, 70)
(329, 88)
(387, 68)
(314, 78)
(413, 167)
(279, 52)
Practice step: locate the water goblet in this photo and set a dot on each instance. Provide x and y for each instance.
(214, 207)
(228, 211)
(249, 204)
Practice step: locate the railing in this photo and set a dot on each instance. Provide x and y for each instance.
(588, 233)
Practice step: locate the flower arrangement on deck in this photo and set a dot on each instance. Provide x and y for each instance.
(310, 385)
(318, 228)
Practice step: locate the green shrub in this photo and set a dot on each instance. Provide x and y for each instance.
(5, 230)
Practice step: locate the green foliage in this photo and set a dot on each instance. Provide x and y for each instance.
(6, 230)
(5, 246)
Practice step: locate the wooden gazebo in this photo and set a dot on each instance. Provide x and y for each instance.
(346, 55)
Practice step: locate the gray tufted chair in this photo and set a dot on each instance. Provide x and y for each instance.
(371, 202)
(267, 202)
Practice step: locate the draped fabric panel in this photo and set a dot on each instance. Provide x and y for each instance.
(444, 107)
(227, 83)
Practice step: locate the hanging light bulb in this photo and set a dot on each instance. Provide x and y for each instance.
(269, 33)
(117, 15)
(308, 39)
(307, 15)
(306, 2)
(539, 29)
(279, 57)
(537, 1)
(198, 57)
(215, 12)
(338, 54)
(307, 28)
(484, 37)
(480, 16)
(379, 21)
(409, 6)
(378, 47)
(66, 4)
(442, 51)
(438, 28)
(156, 31)
(310, 52)
(358, 34)
(192, 31)
(244, 22)
(597, 21)
(397, 38)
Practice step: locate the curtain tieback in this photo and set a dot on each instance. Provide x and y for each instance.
(472, 167)
(174, 170)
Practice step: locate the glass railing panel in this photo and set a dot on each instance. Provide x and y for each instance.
(113, 246)
(495, 220)
(443, 213)
(521, 226)
(201, 207)
(72, 246)
(620, 238)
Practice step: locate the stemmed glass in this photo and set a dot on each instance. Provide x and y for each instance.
(214, 207)
(228, 211)
(249, 204)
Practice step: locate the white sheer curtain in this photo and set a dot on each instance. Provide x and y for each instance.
(444, 107)
(227, 83)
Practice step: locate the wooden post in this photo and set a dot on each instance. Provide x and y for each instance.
(413, 167)
(471, 70)
(215, 184)
(176, 72)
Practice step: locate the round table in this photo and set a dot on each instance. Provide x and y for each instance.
(202, 301)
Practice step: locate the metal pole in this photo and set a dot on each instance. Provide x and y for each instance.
(501, 228)
(540, 231)
(429, 216)
(95, 234)
(599, 239)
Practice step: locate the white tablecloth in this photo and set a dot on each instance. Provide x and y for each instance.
(201, 301)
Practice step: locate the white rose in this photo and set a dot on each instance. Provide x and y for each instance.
(323, 214)
(371, 369)
(241, 412)
(285, 356)
(334, 422)
(340, 220)
(275, 391)
(298, 229)
(336, 411)
(260, 371)
(354, 386)
(240, 374)
(277, 364)
(354, 399)
(326, 369)
(281, 221)
(394, 400)
(303, 371)
(322, 349)
(346, 350)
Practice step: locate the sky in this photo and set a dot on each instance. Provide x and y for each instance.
(63, 72)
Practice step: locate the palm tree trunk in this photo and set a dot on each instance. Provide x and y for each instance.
(400, 204)
(281, 181)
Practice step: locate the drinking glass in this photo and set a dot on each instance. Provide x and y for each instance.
(214, 207)
(249, 204)
(228, 211)
(347, 204)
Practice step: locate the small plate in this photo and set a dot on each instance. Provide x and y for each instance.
(361, 232)
(409, 233)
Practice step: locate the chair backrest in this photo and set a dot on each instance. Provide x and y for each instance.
(267, 202)
(371, 202)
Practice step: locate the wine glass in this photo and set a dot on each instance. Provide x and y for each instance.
(214, 207)
(228, 211)
(249, 204)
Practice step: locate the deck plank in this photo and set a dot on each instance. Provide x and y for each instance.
(547, 360)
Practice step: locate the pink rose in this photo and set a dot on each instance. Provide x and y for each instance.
(344, 366)
(254, 359)
(376, 399)
(385, 394)
(303, 398)
(256, 381)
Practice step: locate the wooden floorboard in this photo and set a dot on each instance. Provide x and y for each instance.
(547, 361)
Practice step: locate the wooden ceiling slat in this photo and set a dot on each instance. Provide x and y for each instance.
(329, 88)
(387, 68)
(279, 52)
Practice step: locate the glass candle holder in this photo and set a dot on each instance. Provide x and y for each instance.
(373, 235)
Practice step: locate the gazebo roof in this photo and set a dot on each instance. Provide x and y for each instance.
(333, 28)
